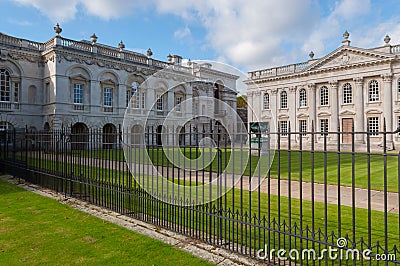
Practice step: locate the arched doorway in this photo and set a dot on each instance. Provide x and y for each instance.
(109, 136)
(137, 135)
(79, 136)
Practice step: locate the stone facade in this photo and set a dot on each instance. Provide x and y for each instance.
(349, 87)
(63, 82)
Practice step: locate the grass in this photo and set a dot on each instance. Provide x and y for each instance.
(37, 230)
(353, 168)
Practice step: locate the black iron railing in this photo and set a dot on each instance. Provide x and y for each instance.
(319, 198)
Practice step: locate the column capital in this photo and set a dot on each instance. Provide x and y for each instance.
(311, 85)
(334, 84)
(358, 80)
(293, 88)
(387, 77)
(257, 93)
(274, 91)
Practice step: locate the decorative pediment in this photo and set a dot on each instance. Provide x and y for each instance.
(302, 115)
(266, 117)
(374, 111)
(283, 116)
(324, 114)
(348, 56)
(347, 112)
(78, 77)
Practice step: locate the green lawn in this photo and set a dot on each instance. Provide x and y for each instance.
(38, 230)
(353, 167)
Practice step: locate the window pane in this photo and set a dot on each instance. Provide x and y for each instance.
(373, 125)
(347, 93)
(373, 92)
(78, 93)
(324, 99)
(266, 101)
(160, 104)
(107, 97)
(4, 86)
(283, 125)
(16, 92)
(302, 98)
(323, 125)
(283, 100)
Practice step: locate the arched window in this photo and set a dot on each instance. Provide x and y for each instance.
(5, 86)
(324, 97)
(266, 101)
(284, 103)
(302, 98)
(373, 91)
(398, 89)
(347, 93)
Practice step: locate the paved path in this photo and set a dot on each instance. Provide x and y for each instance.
(346, 199)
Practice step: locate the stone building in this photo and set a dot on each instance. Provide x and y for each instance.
(87, 85)
(349, 87)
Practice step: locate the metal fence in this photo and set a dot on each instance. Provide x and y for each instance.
(307, 198)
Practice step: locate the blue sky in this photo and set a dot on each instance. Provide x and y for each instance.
(247, 34)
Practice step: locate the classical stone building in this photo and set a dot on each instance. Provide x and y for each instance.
(349, 86)
(84, 85)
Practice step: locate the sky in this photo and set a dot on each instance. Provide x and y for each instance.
(246, 34)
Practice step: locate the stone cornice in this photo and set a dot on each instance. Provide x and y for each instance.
(319, 71)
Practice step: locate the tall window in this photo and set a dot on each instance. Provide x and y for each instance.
(398, 89)
(373, 125)
(5, 86)
(108, 97)
(347, 93)
(160, 102)
(133, 95)
(78, 93)
(16, 92)
(398, 123)
(178, 101)
(324, 97)
(266, 101)
(283, 126)
(373, 91)
(302, 98)
(303, 126)
(143, 99)
(284, 100)
(323, 126)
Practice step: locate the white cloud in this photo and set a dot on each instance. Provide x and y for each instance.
(252, 34)
(182, 33)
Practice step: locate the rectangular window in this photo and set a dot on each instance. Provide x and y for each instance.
(303, 126)
(16, 92)
(178, 101)
(143, 100)
(78, 93)
(128, 97)
(323, 126)
(347, 93)
(108, 97)
(266, 101)
(373, 125)
(283, 127)
(160, 102)
(398, 123)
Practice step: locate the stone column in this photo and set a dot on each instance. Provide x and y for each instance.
(312, 105)
(334, 108)
(292, 112)
(387, 100)
(359, 108)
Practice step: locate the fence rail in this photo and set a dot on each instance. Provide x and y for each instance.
(253, 194)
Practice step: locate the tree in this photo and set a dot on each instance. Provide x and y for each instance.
(241, 101)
